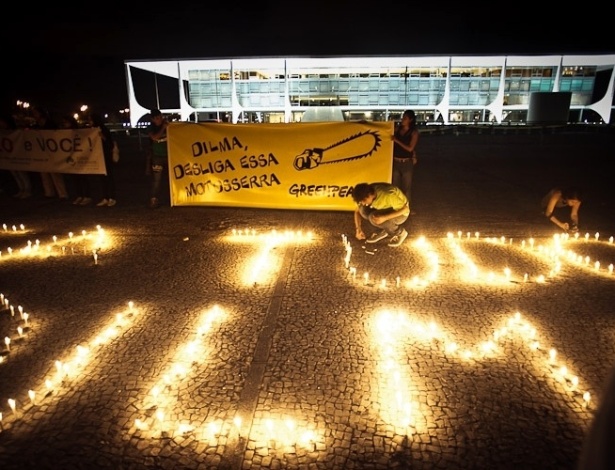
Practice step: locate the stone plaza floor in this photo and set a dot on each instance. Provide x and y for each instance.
(239, 338)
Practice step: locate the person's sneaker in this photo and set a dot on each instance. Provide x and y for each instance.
(111, 203)
(376, 237)
(153, 203)
(103, 203)
(398, 239)
(85, 201)
(77, 201)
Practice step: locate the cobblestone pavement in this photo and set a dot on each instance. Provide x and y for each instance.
(271, 339)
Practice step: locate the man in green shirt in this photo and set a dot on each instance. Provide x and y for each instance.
(385, 207)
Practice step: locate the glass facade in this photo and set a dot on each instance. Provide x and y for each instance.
(443, 90)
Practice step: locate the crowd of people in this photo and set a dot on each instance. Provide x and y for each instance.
(386, 206)
(61, 186)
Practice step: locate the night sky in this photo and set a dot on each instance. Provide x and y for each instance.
(62, 56)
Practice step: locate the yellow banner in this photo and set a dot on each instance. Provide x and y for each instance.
(310, 166)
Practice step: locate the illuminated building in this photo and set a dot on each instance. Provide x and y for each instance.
(440, 89)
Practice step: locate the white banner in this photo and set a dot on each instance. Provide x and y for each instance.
(77, 151)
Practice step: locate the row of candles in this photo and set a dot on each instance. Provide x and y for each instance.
(63, 369)
(425, 248)
(13, 228)
(24, 317)
(91, 242)
(71, 368)
(285, 431)
(393, 330)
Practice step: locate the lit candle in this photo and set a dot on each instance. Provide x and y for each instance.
(7, 341)
(237, 423)
(12, 404)
(397, 281)
(586, 398)
(552, 354)
(31, 394)
(597, 236)
(25, 318)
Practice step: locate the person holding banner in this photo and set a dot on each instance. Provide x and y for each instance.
(405, 139)
(157, 132)
(107, 182)
(53, 183)
(386, 207)
(80, 183)
(22, 178)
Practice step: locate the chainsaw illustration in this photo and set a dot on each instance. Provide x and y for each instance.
(360, 145)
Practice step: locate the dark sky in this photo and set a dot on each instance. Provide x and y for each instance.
(61, 56)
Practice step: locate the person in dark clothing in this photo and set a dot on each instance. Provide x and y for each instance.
(405, 140)
(107, 181)
(560, 198)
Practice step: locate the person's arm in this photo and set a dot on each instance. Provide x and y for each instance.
(551, 207)
(574, 215)
(357, 224)
(156, 136)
